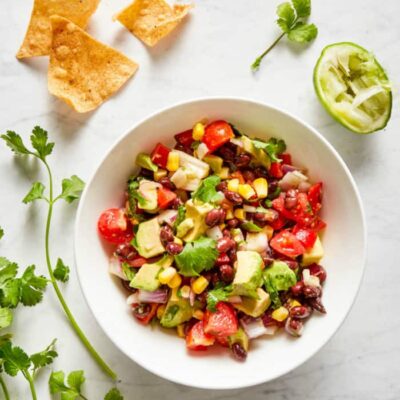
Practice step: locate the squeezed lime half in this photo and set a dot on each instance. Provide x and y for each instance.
(353, 87)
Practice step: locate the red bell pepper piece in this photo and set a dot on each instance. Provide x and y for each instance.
(275, 170)
(160, 154)
(165, 197)
(286, 158)
(217, 134)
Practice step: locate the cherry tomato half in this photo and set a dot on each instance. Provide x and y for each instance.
(160, 154)
(287, 244)
(114, 226)
(165, 197)
(223, 322)
(197, 339)
(217, 134)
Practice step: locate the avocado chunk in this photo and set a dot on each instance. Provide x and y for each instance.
(184, 227)
(239, 337)
(143, 160)
(248, 275)
(214, 162)
(254, 307)
(148, 239)
(196, 212)
(314, 254)
(260, 155)
(279, 276)
(177, 311)
(146, 278)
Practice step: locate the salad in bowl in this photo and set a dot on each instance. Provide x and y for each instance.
(219, 239)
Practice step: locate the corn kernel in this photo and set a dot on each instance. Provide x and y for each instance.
(198, 314)
(166, 275)
(280, 314)
(160, 311)
(246, 191)
(173, 161)
(224, 173)
(199, 285)
(198, 131)
(180, 329)
(175, 281)
(222, 226)
(177, 240)
(239, 213)
(294, 303)
(159, 174)
(229, 214)
(261, 187)
(233, 185)
(185, 291)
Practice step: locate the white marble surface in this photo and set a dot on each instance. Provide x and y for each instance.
(209, 55)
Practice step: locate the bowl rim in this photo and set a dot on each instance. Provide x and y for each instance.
(248, 383)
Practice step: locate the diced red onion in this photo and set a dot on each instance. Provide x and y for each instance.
(114, 267)
(158, 296)
(289, 168)
(237, 142)
(168, 216)
(304, 186)
(215, 233)
(292, 180)
(253, 327)
(235, 299)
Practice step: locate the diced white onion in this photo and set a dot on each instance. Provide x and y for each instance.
(250, 209)
(257, 241)
(271, 330)
(200, 167)
(158, 296)
(310, 280)
(304, 187)
(132, 299)
(214, 233)
(236, 141)
(202, 150)
(253, 327)
(292, 180)
(179, 178)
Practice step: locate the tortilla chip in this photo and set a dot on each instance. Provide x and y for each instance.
(37, 40)
(84, 72)
(152, 20)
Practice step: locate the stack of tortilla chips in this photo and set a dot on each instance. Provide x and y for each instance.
(83, 71)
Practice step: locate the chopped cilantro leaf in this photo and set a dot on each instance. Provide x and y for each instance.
(216, 295)
(197, 256)
(207, 192)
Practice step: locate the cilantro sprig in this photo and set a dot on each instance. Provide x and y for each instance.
(216, 295)
(27, 289)
(197, 256)
(14, 360)
(70, 387)
(292, 21)
(207, 192)
(273, 147)
(29, 286)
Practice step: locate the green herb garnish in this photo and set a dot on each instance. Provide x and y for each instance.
(197, 256)
(31, 286)
(291, 20)
(207, 192)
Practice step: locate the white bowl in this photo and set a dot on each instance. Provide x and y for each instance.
(165, 354)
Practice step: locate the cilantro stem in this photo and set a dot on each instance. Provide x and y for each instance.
(29, 378)
(258, 60)
(102, 364)
(4, 387)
